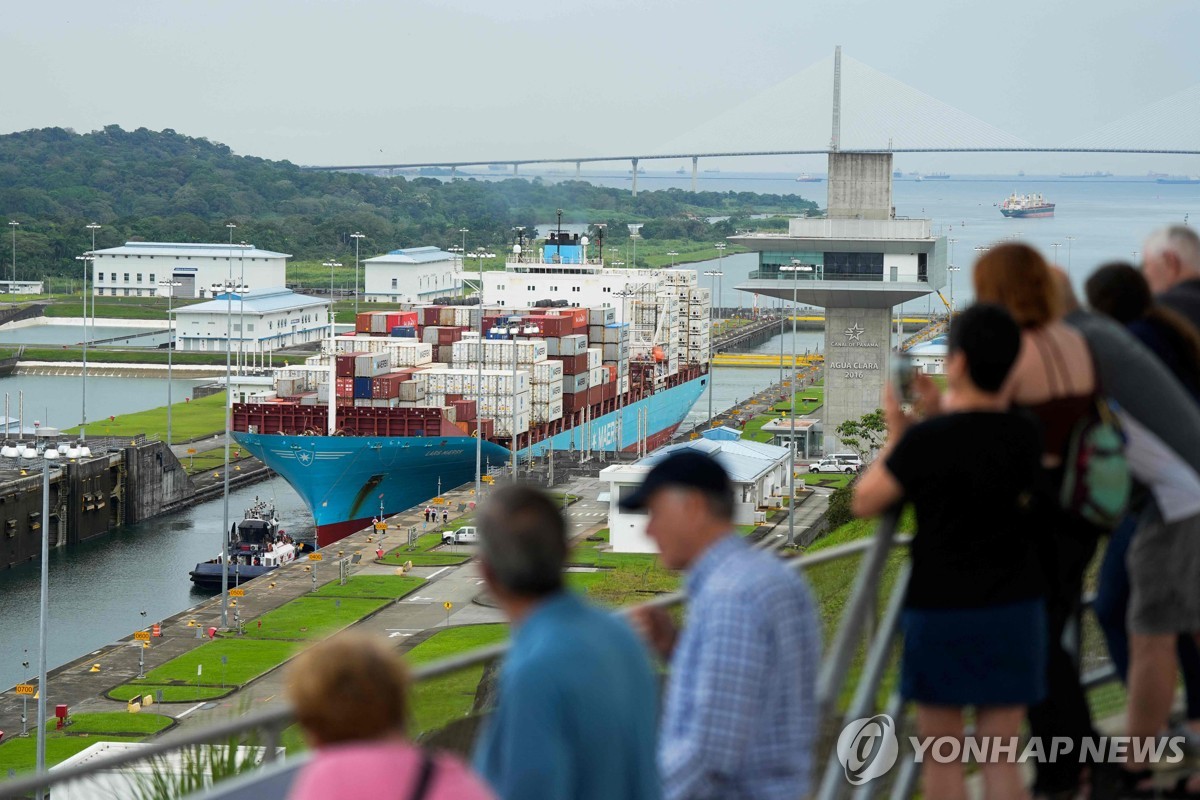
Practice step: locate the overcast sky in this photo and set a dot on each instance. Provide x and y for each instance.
(361, 81)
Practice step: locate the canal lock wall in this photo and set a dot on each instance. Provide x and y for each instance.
(88, 498)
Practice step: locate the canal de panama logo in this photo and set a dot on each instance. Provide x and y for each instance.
(867, 748)
(855, 332)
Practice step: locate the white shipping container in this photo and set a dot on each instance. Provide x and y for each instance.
(615, 333)
(697, 326)
(597, 376)
(573, 384)
(616, 352)
(411, 391)
(573, 345)
(622, 366)
(371, 365)
(548, 412)
(504, 424)
(546, 371)
(601, 316)
(594, 357)
(544, 392)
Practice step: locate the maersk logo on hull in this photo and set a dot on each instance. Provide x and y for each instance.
(604, 436)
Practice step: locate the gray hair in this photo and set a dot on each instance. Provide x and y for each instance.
(523, 540)
(1178, 239)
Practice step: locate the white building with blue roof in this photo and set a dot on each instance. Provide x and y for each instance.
(257, 321)
(412, 275)
(136, 269)
(759, 473)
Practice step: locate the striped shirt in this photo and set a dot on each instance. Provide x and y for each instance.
(741, 718)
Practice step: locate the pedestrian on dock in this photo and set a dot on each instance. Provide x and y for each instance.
(740, 718)
(350, 695)
(445, 517)
(577, 699)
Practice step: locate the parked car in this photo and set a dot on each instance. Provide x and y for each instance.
(467, 535)
(832, 465)
(853, 459)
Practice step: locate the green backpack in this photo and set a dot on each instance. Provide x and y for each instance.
(1096, 482)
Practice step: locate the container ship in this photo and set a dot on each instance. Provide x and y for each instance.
(1026, 205)
(564, 354)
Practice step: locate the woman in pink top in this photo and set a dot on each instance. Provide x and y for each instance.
(350, 695)
(1054, 380)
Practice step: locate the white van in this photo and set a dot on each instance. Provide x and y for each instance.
(849, 459)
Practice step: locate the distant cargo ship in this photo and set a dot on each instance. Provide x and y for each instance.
(1024, 206)
(938, 176)
(1096, 174)
(1178, 179)
(804, 177)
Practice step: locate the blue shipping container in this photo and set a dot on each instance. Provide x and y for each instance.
(404, 332)
(362, 388)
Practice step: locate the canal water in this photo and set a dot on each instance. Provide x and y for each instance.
(99, 589)
(55, 400)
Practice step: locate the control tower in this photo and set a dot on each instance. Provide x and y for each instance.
(858, 262)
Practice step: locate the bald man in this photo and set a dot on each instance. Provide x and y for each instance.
(1171, 264)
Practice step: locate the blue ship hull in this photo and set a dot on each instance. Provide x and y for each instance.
(345, 480)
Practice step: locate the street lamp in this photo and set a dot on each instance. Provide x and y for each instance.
(356, 236)
(480, 254)
(93, 227)
(672, 254)
(332, 316)
(49, 455)
(85, 258)
(795, 267)
(1056, 245)
(950, 319)
(714, 274)
(720, 269)
(13, 224)
(170, 284)
(231, 226)
(1069, 240)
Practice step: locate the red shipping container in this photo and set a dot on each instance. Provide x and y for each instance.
(464, 410)
(393, 320)
(581, 317)
(486, 427)
(344, 387)
(345, 365)
(573, 365)
(362, 323)
(449, 335)
(408, 318)
(431, 314)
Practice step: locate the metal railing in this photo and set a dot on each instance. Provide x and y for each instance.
(859, 622)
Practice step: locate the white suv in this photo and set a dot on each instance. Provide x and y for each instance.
(831, 465)
(467, 535)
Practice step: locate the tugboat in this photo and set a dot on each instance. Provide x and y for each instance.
(256, 546)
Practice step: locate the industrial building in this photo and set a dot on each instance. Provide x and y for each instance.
(759, 473)
(136, 269)
(412, 275)
(256, 321)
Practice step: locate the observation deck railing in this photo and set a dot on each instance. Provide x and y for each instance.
(862, 625)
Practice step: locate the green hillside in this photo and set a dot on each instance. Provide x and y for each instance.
(164, 186)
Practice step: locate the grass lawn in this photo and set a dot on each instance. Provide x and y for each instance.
(114, 722)
(309, 617)
(806, 401)
(421, 555)
(622, 578)
(203, 417)
(144, 355)
(441, 700)
(830, 481)
(171, 694)
(118, 308)
(384, 586)
(20, 755)
(247, 659)
(208, 461)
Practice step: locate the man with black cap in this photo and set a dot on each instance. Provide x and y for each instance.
(740, 715)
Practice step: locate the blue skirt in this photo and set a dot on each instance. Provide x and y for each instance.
(992, 656)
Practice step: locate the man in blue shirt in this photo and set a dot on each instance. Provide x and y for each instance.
(741, 717)
(578, 701)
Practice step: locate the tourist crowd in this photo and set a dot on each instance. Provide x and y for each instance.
(1062, 436)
